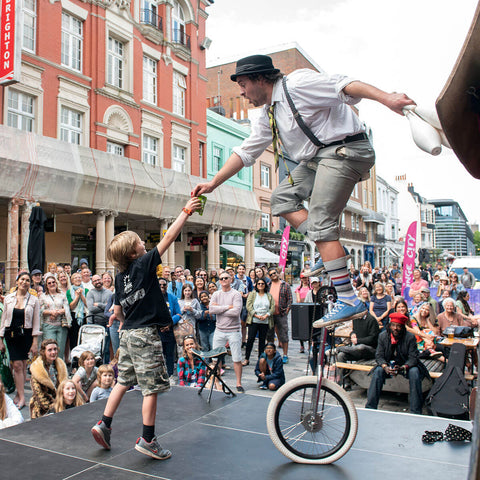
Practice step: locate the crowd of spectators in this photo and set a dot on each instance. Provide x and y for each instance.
(53, 307)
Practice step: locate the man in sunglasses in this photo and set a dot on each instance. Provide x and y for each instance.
(226, 304)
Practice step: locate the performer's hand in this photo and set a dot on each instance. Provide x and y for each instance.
(202, 188)
(112, 318)
(397, 102)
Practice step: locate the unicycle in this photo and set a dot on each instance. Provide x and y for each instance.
(311, 419)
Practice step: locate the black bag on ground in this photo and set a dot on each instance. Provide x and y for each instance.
(449, 396)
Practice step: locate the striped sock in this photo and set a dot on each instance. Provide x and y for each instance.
(337, 269)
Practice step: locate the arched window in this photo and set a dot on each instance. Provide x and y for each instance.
(178, 24)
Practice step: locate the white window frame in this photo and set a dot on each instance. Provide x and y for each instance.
(29, 15)
(179, 93)
(150, 150)
(179, 161)
(201, 149)
(19, 113)
(115, 148)
(265, 221)
(116, 64)
(150, 80)
(178, 23)
(265, 175)
(71, 122)
(72, 42)
(217, 158)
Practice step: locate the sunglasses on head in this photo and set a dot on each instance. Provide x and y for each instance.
(186, 337)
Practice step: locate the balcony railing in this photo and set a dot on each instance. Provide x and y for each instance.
(180, 37)
(149, 17)
(353, 235)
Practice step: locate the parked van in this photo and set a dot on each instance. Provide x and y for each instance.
(472, 263)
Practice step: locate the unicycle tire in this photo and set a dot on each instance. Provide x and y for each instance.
(307, 438)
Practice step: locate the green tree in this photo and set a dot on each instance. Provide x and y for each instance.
(476, 241)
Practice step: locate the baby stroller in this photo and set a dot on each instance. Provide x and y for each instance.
(91, 337)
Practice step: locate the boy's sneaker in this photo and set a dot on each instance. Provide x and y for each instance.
(263, 387)
(285, 359)
(342, 312)
(152, 449)
(101, 433)
(319, 267)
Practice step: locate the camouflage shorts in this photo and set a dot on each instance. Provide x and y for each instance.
(141, 361)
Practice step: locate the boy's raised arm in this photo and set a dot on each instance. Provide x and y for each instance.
(176, 227)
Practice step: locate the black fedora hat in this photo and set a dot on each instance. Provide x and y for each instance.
(254, 64)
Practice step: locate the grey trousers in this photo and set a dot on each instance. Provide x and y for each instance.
(327, 180)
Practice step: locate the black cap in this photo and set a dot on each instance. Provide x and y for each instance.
(254, 64)
(36, 271)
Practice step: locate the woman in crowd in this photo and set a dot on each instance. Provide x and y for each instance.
(300, 293)
(67, 397)
(417, 301)
(463, 306)
(269, 368)
(401, 306)
(365, 279)
(390, 289)
(206, 323)
(108, 281)
(199, 287)
(444, 294)
(190, 369)
(9, 413)
(63, 282)
(364, 296)
(260, 274)
(452, 318)
(212, 287)
(455, 287)
(444, 284)
(311, 296)
(55, 312)
(260, 308)
(78, 306)
(380, 304)
(47, 372)
(20, 330)
(189, 306)
(252, 276)
(213, 277)
(423, 326)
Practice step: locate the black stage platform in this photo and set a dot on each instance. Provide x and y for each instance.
(226, 439)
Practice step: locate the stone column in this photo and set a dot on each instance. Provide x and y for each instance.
(11, 266)
(109, 234)
(251, 234)
(211, 248)
(100, 263)
(24, 234)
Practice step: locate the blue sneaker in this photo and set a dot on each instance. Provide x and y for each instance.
(319, 267)
(285, 359)
(342, 312)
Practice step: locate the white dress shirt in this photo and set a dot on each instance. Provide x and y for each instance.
(323, 106)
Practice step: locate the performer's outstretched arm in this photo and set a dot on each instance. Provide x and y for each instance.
(394, 101)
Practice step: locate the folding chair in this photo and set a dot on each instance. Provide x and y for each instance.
(212, 372)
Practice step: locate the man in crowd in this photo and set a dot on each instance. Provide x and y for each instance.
(334, 153)
(241, 276)
(166, 273)
(97, 299)
(467, 279)
(37, 283)
(431, 301)
(226, 304)
(86, 275)
(364, 338)
(282, 294)
(397, 353)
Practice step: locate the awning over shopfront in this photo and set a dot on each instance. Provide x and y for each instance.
(262, 255)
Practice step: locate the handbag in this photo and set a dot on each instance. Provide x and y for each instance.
(183, 328)
(6, 374)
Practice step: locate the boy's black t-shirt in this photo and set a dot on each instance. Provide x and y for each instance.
(138, 293)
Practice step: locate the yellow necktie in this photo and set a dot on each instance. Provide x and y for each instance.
(277, 143)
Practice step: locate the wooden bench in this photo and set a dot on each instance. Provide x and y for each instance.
(360, 369)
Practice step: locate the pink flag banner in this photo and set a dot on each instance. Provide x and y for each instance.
(409, 256)
(284, 248)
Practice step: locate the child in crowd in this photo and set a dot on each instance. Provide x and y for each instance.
(9, 414)
(85, 377)
(269, 368)
(190, 369)
(67, 397)
(114, 364)
(141, 309)
(105, 380)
